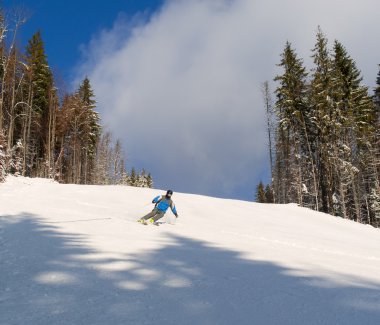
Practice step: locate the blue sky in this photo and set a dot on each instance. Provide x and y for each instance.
(67, 24)
(179, 81)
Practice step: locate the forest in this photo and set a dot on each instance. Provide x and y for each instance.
(324, 135)
(46, 131)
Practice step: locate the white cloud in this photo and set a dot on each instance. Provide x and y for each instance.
(182, 89)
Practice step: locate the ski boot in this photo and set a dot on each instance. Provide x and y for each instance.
(152, 222)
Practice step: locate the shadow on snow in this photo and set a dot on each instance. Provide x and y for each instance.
(47, 277)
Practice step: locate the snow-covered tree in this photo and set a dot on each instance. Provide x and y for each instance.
(322, 114)
(60, 135)
(374, 203)
(141, 179)
(270, 115)
(2, 158)
(42, 88)
(293, 148)
(133, 177)
(149, 180)
(92, 132)
(327, 139)
(16, 161)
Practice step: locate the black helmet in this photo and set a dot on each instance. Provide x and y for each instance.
(169, 193)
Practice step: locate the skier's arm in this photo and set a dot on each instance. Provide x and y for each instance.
(156, 199)
(174, 210)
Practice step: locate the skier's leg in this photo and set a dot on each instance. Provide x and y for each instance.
(158, 216)
(150, 214)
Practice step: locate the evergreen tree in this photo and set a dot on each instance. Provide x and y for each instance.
(260, 193)
(322, 114)
(124, 174)
(133, 177)
(377, 121)
(3, 32)
(42, 88)
(42, 76)
(3, 167)
(93, 129)
(293, 149)
(328, 135)
(377, 93)
(344, 75)
(269, 197)
(354, 127)
(374, 205)
(142, 179)
(43, 136)
(149, 180)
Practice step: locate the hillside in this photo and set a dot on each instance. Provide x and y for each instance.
(73, 254)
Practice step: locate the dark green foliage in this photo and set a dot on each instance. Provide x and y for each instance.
(377, 91)
(260, 193)
(41, 80)
(133, 177)
(269, 197)
(149, 181)
(41, 74)
(91, 126)
(292, 139)
(327, 141)
(323, 115)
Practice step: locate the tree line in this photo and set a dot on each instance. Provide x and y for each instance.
(44, 133)
(324, 135)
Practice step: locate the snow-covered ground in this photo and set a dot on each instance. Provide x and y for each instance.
(75, 255)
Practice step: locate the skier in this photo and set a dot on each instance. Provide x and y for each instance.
(162, 203)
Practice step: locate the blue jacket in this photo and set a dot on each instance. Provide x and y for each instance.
(162, 204)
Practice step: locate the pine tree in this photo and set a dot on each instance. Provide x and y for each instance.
(78, 133)
(142, 179)
(3, 167)
(3, 34)
(322, 114)
(124, 177)
(377, 93)
(93, 129)
(293, 151)
(269, 197)
(328, 135)
(149, 180)
(42, 86)
(374, 205)
(42, 76)
(260, 193)
(354, 127)
(377, 121)
(133, 177)
(344, 74)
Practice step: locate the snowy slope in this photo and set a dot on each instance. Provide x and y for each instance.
(75, 255)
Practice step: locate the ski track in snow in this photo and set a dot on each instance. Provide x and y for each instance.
(73, 254)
